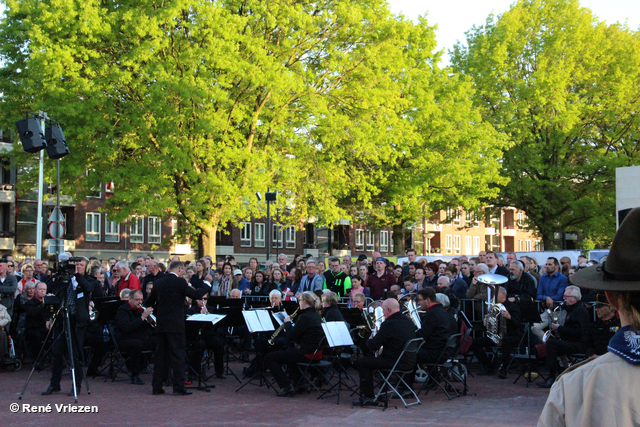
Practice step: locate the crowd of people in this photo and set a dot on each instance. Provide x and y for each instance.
(541, 297)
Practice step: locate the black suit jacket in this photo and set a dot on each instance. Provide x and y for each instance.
(393, 335)
(436, 328)
(167, 298)
(503, 271)
(129, 324)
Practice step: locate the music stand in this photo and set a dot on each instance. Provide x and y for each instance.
(338, 336)
(193, 329)
(258, 325)
(233, 319)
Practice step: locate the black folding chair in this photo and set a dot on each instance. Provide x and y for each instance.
(393, 378)
(316, 366)
(440, 371)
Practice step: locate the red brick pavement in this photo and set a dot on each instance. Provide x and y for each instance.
(496, 403)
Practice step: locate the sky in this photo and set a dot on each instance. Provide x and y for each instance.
(455, 17)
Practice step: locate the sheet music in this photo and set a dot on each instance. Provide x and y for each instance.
(265, 320)
(254, 323)
(280, 316)
(337, 334)
(213, 318)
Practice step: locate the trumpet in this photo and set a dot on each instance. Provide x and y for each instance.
(272, 340)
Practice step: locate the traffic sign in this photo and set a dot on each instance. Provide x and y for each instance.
(56, 215)
(56, 230)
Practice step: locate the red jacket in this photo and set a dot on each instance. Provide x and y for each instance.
(130, 282)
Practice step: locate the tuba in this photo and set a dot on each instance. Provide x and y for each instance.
(496, 323)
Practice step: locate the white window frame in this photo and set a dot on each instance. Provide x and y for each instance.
(109, 187)
(448, 243)
(468, 245)
(154, 231)
(457, 241)
(110, 235)
(245, 235)
(92, 226)
(457, 219)
(520, 245)
(136, 229)
(359, 239)
(97, 190)
(371, 241)
(527, 245)
(384, 241)
(174, 227)
(476, 245)
(290, 237)
(277, 236)
(391, 241)
(259, 229)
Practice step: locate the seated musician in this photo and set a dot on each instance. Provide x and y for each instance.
(446, 304)
(235, 294)
(510, 339)
(394, 333)
(330, 310)
(133, 333)
(207, 340)
(36, 321)
(436, 326)
(600, 332)
(572, 335)
(358, 300)
(275, 298)
(304, 337)
(124, 294)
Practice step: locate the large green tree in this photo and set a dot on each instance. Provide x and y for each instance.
(191, 107)
(565, 88)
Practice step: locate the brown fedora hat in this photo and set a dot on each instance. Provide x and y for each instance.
(621, 270)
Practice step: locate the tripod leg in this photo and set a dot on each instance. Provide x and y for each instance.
(40, 356)
(67, 327)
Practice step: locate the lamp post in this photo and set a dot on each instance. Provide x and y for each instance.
(429, 236)
(270, 197)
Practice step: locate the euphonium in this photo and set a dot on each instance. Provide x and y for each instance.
(93, 315)
(496, 323)
(412, 312)
(272, 340)
(554, 317)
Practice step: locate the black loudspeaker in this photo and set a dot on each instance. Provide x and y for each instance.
(57, 147)
(270, 197)
(31, 136)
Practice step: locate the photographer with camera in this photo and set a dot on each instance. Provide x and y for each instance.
(73, 293)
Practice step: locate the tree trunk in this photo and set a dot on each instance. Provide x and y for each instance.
(207, 242)
(398, 238)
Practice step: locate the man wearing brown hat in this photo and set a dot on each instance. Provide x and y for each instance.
(600, 332)
(604, 391)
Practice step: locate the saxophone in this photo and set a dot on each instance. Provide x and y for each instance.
(272, 340)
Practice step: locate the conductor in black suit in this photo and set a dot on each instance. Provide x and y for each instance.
(168, 298)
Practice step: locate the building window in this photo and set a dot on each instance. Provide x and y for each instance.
(456, 244)
(154, 234)
(384, 241)
(245, 235)
(276, 236)
(520, 245)
(468, 249)
(359, 240)
(290, 237)
(92, 227)
(136, 234)
(457, 220)
(539, 246)
(391, 241)
(448, 243)
(527, 245)
(174, 227)
(476, 245)
(111, 230)
(259, 235)
(371, 240)
(108, 188)
(96, 191)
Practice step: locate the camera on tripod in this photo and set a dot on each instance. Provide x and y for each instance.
(68, 266)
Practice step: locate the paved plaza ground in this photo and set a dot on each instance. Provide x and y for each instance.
(493, 402)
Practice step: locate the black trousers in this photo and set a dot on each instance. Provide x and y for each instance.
(170, 355)
(209, 342)
(133, 348)
(506, 347)
(366, 366)
(557, 348)
(274, 361)
(33, 339)
(59, 350)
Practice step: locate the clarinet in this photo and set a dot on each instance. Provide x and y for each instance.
(272, 340)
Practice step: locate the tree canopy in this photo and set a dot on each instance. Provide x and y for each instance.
(565, 89)
(189, 108)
